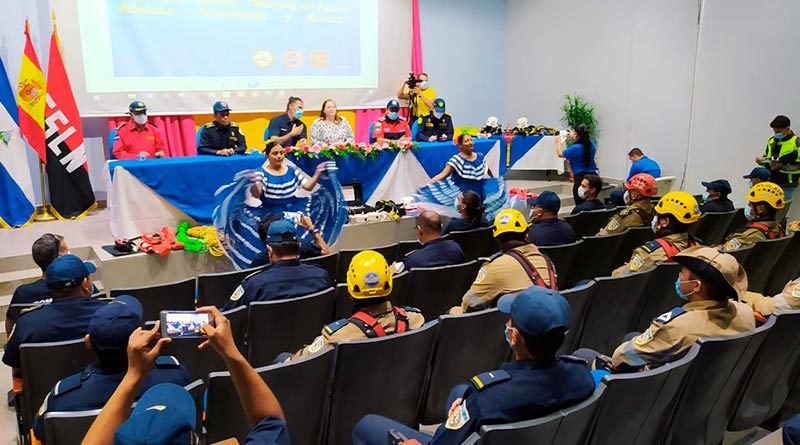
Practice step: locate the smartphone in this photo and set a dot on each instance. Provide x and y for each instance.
(183, 324)
(396, 437)
(294, 217)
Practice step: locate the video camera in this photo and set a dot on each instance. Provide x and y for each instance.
(412, 80)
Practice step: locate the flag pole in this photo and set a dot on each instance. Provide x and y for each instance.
(43, 214)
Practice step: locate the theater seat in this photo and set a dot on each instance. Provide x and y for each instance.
(177, 296)
(563, 258)
(597, 256)
(346, 255)
(712, 227)
(434, 290)
(579, 299)
(659, 294)
(199, 362)
(762, 260)
(742, 254)
(475, 243)
(634, 237)
(589, 223)
(329, 262)
(215, 289)
(68, 428)
(286, 325)
(786, 269)
(406, 247)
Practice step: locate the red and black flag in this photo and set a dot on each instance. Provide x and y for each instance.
(71, 194)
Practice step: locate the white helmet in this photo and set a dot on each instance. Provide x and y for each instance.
(492, 122)
(522, 122)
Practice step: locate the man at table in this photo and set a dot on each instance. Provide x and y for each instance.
(221, 137)
(437, 125)
(392, 126)
(138, 138)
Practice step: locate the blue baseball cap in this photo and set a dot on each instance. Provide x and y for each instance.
(166, 414)
(758, 173)
(112, 325)
(547, 200)
(67, 271)
(137, 106)
(720, 185)
(221, 105)
(536, 310)
(393, 104)
(438, 105)
(281, 231)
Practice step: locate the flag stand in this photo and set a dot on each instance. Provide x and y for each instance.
(43, 214)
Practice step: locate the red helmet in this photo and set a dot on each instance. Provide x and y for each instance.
(643, 183)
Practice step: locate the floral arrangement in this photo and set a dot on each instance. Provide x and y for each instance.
(361, 150)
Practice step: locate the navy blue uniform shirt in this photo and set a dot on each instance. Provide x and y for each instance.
(551, 232)
(282, 125)
(279, 281)
(430, 126)
(63, 319)
(436, 252)
(269, 431)
(521, 390)
(587, 206)
(36, 292)
(92, 388)
(461, 224)
(308, 249)
(214, 137)
(717, 205)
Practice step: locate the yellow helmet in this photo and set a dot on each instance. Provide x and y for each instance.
(509, 220)
(681, 205)
(368, 276)
(768, 192)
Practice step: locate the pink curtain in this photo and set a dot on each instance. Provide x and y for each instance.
(364, 118)
(179, 131)
(416, 39)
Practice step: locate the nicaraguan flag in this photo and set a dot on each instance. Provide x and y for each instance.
(16, 187)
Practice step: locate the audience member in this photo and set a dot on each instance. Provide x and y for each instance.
(66, 317)
(309, 248)
(535, 384)
(436, 125)
(329, 127)
(421, 96)
(369, 282)
(166, 412)
(642, 164)
(109, 330)
(391, 126)
(763, 201)
(758, 174)
(287, 129)
(639, 210)
(674, 212)
(466, 168)
(435, 250)
(546, 229)
(470, 208)
(709, 281)
(764, 306)
(286, 277)
(518, 266)
(716, 197)
(589, 190)
(221, 137)
(782, 156)
(580, 155)
(44, 250)
(139, 138)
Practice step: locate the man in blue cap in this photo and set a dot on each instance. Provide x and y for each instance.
(535, 384)
(716, 197)
(437, 125)
(391, 126)
(311, 242)
(546, 229)
(758, 174)
(109, 330)
(221, 137)
(66, 318)
(286, 277)
(166, 413)
(139, 138)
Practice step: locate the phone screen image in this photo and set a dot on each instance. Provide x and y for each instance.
(184, 324)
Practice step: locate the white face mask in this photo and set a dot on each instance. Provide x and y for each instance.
(627, 197)
(581, 192)
(140, 118)
(654, 224)
(437, 115)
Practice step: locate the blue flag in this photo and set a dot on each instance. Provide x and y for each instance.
(16, 187)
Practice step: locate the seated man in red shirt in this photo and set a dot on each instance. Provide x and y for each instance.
(138, 138)
(391, 126)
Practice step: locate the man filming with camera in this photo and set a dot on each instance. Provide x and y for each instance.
(419, 93)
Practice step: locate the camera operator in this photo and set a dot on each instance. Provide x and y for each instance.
(421, 96)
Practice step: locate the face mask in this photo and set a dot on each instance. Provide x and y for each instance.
(298, 113)
(748, 213)
(654, 224)
(678, 291)
(778, 136)
(437, 115)
(706, 197)
(424, 84)
(581, 192)
(140, 118)
(392, 115)
(507, 333)
(627, 197)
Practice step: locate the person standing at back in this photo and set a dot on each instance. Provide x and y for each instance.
(589, 190)
(421, 95)
(639, 210)
(782, 156)
(580, 155)
(435, 251)
(546, 229)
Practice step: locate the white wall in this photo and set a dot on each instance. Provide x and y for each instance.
(464, 52)
(632, 59)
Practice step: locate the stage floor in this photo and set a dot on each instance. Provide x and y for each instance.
(90, 231)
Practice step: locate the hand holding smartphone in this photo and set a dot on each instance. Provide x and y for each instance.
(183, 324)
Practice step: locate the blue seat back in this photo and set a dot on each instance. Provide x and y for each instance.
(371, 129)
(112, 135)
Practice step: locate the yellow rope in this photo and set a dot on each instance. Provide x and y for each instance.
(209, 236)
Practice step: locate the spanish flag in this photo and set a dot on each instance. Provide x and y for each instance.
(31, 101)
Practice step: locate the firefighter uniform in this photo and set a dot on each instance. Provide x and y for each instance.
(760, 229)
(132, 139)
(638, 214)
(787, 300)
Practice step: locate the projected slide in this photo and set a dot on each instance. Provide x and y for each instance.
(217, 45)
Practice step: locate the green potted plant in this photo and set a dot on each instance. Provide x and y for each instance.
(577, 111)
